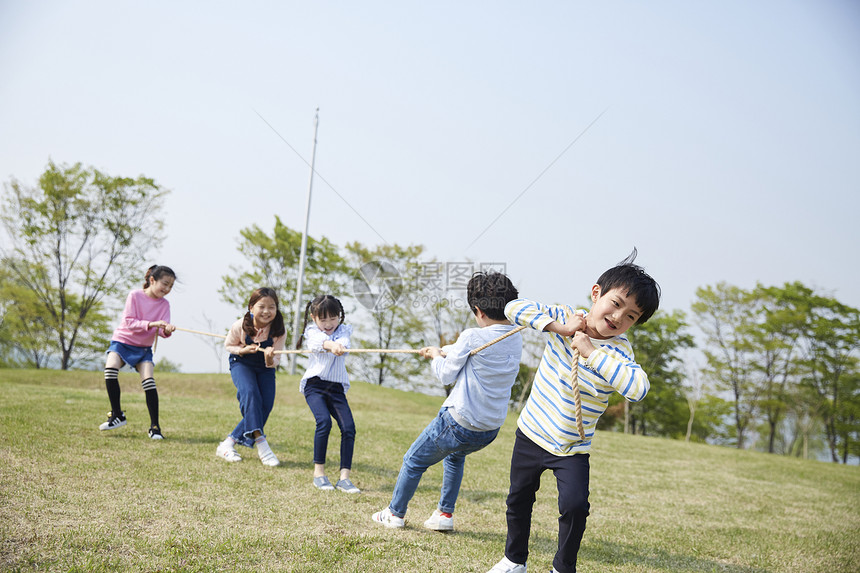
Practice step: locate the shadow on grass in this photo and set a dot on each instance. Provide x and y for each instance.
(614, 553)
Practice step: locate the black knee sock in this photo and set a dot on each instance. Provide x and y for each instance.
(151, 400)
(113, 391)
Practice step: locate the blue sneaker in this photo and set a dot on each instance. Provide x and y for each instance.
(347, 486)
(323, 483)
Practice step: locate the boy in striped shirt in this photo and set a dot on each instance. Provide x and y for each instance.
(547, 436)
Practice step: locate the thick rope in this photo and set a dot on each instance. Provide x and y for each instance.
(495, 340)
(577, 400)
(368, 350)
(574, 383)
(357, 350)
(201, 332)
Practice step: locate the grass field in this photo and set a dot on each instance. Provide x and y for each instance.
(76, 499)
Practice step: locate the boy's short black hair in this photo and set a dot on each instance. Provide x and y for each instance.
(490, 292)
(639, 284)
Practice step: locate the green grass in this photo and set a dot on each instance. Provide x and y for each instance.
(76, 499)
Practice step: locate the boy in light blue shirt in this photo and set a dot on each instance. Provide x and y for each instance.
(472, 414)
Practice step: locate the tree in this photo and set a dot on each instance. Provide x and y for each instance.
(167, 365)
(448, 314)
(77, 238)
(831, 369)
(273, 261)
(394, 322)
(693, 392)
(215, 344)
(657, 344)
(782, 312)
(25, 335)
(725, 314)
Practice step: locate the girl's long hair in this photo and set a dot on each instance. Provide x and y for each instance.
(155, 272)
(323, 306)
(276, 328)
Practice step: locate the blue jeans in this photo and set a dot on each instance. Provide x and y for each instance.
(327, 400)
(256, 394)
(443, 440)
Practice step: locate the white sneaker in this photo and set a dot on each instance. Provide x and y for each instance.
(113, 422)
(388, 519)
(439, 522)
(508, 566)
(267, 456)
(227, 451)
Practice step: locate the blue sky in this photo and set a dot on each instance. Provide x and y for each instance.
(726, 150)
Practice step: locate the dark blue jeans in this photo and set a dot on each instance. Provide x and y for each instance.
(255, 389)
(528, 462)
(327, 400)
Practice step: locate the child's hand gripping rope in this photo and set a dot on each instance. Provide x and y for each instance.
(577, 323)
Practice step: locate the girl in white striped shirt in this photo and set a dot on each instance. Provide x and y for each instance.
(324, 385)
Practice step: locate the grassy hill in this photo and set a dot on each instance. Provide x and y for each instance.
(76, 499)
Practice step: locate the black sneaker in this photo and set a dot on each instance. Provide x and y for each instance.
(155, 433)
(113, 422)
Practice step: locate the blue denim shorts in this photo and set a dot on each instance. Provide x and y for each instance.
(131, 355)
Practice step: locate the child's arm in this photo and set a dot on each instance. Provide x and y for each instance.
(335, 348)
(340, 344)
(235, 341)
(273, 360)
(165, 329)
(319, 342)
(131, 319)
(315, 338)
(560, 320)
(446, 367)
(617, 366)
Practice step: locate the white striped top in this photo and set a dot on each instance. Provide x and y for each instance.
(549, 418)
(323, 363)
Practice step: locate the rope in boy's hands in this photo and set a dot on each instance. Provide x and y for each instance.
(574, 369)
(430, 352)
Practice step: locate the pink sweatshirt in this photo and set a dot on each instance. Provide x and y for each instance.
(236, 340)
(140, 310)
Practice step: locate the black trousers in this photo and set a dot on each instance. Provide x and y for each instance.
(528, 462)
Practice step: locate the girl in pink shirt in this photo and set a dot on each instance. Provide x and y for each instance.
(146, 315)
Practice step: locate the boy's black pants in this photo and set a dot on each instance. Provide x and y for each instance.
(528, 462)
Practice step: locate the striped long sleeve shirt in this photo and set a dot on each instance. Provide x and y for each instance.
(323, 363)
(548, 418)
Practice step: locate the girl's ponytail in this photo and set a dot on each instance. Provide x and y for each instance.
(248, 324)
(148, 275)
(304, 326)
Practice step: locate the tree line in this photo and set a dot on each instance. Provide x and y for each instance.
(773, 368)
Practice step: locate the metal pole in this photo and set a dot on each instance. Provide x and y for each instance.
(298, 309)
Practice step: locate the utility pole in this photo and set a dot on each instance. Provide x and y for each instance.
(298, 310)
